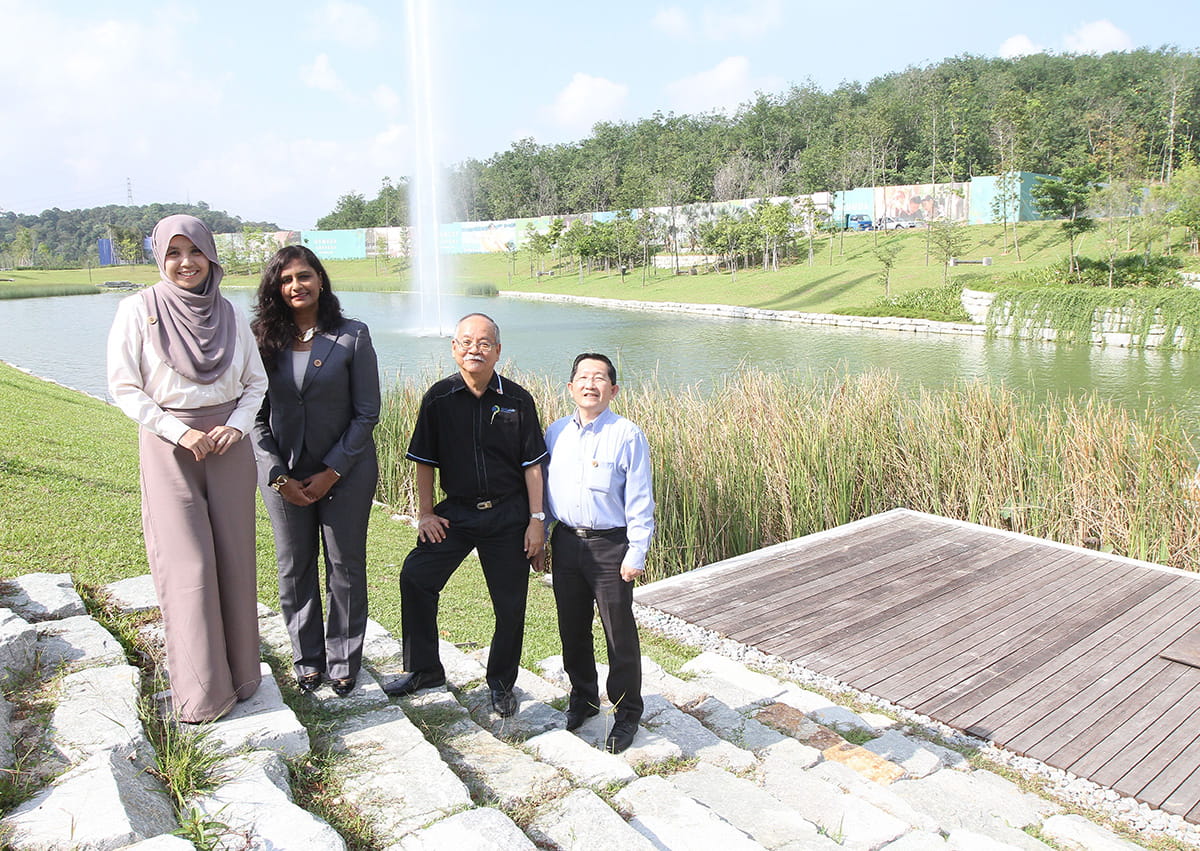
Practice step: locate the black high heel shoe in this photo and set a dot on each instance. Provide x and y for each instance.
(308, 683)
(342, 687)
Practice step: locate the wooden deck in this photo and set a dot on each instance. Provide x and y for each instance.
(1049, 650)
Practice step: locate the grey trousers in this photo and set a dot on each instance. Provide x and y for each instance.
(198, 519)
(336, 524)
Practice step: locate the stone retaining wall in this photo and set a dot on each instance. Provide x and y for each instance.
(1111, 328)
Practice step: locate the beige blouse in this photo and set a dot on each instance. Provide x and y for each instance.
(142, 384)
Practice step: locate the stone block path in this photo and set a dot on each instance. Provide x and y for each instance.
(728, 758)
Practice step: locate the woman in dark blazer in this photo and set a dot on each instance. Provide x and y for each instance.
(317, 469)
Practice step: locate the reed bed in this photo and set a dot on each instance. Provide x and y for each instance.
(764, 458)
(45, 290)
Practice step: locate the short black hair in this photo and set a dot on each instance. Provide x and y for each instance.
(612, 370)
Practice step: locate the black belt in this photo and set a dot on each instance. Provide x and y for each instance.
(594, 533)
(480, 503)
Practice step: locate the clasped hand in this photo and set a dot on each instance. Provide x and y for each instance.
(216, 441)
(309, 490)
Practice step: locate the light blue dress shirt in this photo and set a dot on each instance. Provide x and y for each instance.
(600, 478)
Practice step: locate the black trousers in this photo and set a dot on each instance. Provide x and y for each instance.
(499, 536)
(588, 570)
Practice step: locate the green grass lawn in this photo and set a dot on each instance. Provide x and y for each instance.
(71, 504)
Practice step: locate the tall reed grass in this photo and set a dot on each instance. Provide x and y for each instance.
(764, 458)
(46, 290)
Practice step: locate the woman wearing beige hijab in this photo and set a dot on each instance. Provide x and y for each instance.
(183, 365)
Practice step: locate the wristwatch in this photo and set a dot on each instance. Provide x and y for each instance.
(279, 482)
(538, 515)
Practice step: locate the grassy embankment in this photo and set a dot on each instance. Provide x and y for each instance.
(846, 279)
(69, 478)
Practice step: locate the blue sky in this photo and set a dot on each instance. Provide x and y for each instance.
(273, 116)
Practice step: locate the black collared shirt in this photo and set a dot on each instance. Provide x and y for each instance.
(481, 446)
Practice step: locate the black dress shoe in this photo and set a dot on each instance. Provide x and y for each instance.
(308, 683)
(576, 716)
(620, 737)
(504, 702)
(413, 683)
(343, 686)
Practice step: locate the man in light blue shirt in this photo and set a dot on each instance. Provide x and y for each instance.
(599, 488)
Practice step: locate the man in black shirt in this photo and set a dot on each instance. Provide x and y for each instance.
(481, 432)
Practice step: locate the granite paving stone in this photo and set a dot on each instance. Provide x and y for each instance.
(586, 765)
(254, 802)
(483, 829)
(42, 596)
(912, 755)
(98, 710)
(747, 807)
(18, 646)
(977, 801)
(581, 821)
(133, 595)
(1076, 832)
(76, 642)
(105, 802)
(392, 775)
(261, 721)
(671, 819)
(694, 739)
(854, 822)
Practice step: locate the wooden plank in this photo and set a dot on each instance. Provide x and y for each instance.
(914, 625)
(972, 636)
(1135, 734)
(1142, 760)
(707, 605)
(720, 579)
(1047, 650)
(1067, 673)
(1185, 650)
(823, 607)
(813, 590)
(1081, 623)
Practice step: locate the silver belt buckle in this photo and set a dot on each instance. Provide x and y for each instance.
(581, 533)
(484, 506)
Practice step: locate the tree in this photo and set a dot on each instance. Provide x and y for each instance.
(948, 240)
(1183, 195)
(886, 255)
(1068, 198)
(350, 212)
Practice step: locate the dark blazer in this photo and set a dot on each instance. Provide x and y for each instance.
(331, 417)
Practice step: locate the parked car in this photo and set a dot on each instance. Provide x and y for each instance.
(889, 223)
(858, 221)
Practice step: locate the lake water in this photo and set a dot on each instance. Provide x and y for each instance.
(63, 339)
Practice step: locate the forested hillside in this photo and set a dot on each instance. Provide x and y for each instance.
(1135, 115)
(68, 237)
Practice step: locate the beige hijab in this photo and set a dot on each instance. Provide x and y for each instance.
(194, 330)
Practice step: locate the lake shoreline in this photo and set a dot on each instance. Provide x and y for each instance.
(731, 311)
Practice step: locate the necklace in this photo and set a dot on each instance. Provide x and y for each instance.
(306, 336)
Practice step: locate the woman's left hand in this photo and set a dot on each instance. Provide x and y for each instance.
(223, 437)
(319, 484)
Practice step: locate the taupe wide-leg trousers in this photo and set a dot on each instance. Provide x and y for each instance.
(198, 519)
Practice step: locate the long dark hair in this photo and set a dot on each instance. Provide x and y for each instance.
(273, 326)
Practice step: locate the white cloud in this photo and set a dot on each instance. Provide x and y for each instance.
(320, 74)
(725, 86)
(385, 99)
(749, 19)
(346, 23)
(586, 100)
(672, 21)
(1097, 37)
(1019, 45)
